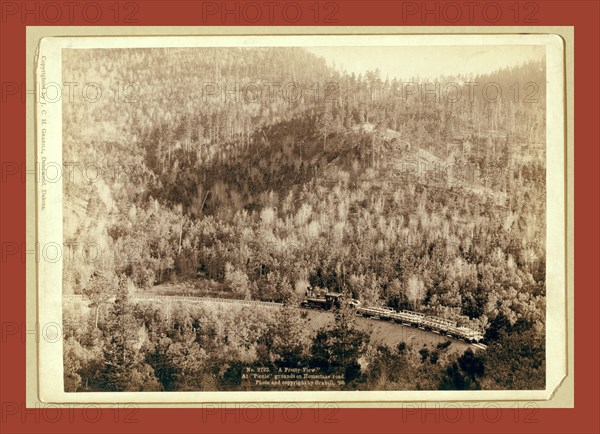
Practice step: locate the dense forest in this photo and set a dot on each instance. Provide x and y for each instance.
(258, 173)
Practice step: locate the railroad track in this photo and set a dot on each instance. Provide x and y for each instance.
(190, 299)
(428, 323)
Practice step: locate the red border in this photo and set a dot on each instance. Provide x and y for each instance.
(14, 417)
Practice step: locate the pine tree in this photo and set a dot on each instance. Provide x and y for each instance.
(326, 123)
(99, 289)
(124, 368)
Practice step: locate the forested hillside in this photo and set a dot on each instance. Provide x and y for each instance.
(213, 172)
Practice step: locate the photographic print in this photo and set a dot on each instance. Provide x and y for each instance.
(304, 215)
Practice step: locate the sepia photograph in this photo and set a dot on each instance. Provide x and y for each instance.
(304, 215)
